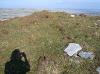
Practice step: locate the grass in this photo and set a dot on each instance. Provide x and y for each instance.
(47, 34)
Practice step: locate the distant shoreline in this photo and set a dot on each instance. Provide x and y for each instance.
(6, 14)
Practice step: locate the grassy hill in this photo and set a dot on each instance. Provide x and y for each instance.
(46, 34)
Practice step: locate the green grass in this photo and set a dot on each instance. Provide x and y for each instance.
(47, 34)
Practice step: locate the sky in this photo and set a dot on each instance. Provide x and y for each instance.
(46, 4)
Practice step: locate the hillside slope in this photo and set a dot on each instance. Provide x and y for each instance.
(43, 37)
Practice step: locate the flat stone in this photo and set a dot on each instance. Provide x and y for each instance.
(86, 55)
(72, 49)
(98, 70)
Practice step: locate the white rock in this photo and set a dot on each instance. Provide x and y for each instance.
(72, 49)
(72, 15)
(95, 24)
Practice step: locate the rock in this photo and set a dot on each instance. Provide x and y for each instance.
(86, 55)
(72, 15)
(98, 20)
(82, 15)
(97, 23)
(98, 70)
(72, 49)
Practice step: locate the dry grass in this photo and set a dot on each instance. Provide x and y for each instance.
(47, 34)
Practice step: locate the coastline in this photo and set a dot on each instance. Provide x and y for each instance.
(28, 12)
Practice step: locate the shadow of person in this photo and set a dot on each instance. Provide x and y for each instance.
(16, 65)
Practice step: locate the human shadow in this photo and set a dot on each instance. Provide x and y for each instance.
(16, 65)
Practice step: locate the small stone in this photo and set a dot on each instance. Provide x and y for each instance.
(86, 55)
(72, 15)
(98, 70)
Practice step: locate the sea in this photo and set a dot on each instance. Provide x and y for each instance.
(6, 14)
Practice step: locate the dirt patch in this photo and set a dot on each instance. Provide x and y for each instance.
(47, 66)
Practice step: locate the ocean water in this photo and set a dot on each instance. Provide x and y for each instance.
(6, 14)
(92, 12)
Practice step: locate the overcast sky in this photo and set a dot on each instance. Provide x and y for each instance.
(76, 4)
